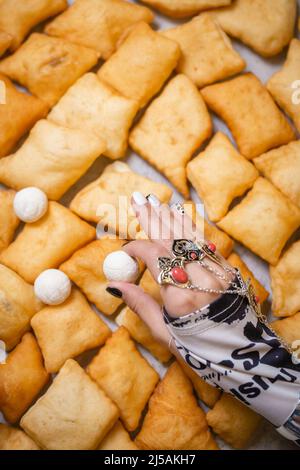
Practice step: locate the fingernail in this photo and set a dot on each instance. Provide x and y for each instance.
(115, 292)
(139, 198)
(153, 200)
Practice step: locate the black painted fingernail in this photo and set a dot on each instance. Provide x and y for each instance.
(115, 292)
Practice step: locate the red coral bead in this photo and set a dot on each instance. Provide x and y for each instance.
(257, 299)
(194, 255)
(179, 275)
(212, 247)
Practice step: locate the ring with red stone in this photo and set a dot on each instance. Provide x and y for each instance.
(173, 272)
(184, 251)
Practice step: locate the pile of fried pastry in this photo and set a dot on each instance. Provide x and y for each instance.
(99, 79)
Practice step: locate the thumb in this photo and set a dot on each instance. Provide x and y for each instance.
(146, 308)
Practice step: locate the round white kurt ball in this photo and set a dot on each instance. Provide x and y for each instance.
(30, 204)
(119, 266)
(52, 287)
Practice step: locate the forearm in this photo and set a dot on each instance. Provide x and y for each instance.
(230, 347)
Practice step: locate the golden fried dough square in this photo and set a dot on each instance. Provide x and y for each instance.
(21, 378)
(53, 158)
(85, 268)
(184, 8)
(264, 221)
(205, 392)
(117, 439)
(259, 289)
(288, 329)
(267, 26)
(137, 328)
(47, 243)
(102, 109)
(98, 24)
(74, 413)
(17, 305)
(250, 113)
(125, 376)
(17, 116)
(5, 42)
(14, 439)
(8, 219)
(141, 333)
(234, 422)
(48, 66)
(220, 174)
(211, 233)
(285, 282)
(18, 17)
(113, 189)
(281, 84)
(199, 41)
(141, 65)
(282, 167)
(173, 127)
(67, 330)
(174, 420)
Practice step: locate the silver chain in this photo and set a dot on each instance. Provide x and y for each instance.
(243, 291)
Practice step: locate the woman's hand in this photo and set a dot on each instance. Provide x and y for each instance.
(162, 225)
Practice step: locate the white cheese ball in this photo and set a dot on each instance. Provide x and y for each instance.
(30, 204)
(52, 287)
(119, 266)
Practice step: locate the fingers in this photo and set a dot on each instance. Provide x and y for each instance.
(155, 218)
(147, 214)
(161, 223)
(146, 307)
(148, 252)
(184, 226)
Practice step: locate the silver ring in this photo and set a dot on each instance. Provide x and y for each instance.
(179, 208)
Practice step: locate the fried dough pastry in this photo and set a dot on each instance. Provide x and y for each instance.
(184, 8)
(98, 24)
(282, 167)
(85, 268)
(102, 109)
(264, 221)
(8, 220)
(220, 174)
(267, 26)
(67, 330)
(234, 422)
(125, 376)
(173, 127)
(17, 305)
(199, 40)
(174, 420)
(118, 439)
(114, 188)
(141, 65)
(18, 17)
(21, 378)
(48, 66)
(47, 243)
(282, 84)
(53, 158)
(14, 439)
(74, 413)
(251, 114)
(285, 282)
(17, 116)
